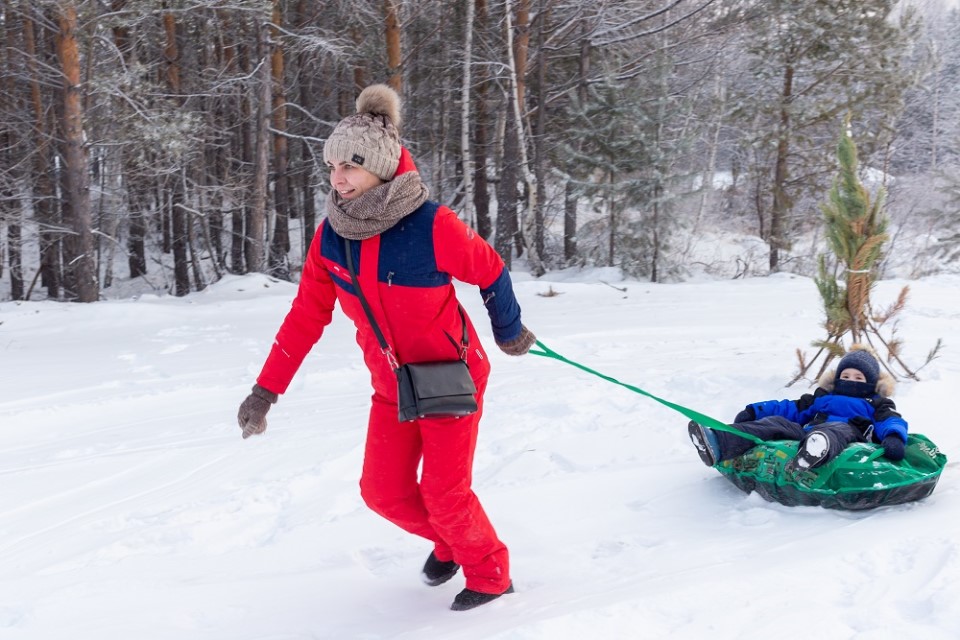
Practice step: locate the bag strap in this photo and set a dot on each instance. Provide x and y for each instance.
(464, 345)
(384, 347)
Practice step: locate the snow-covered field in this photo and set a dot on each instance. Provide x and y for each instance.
(131, 508)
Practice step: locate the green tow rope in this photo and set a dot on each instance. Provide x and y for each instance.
(696, 416)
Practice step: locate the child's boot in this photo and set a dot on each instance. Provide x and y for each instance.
(705, 440)
(813, 451)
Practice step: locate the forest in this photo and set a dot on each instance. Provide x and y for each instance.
(172, 142)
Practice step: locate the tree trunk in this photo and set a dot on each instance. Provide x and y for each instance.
(466, 158)
(392, 35)
(781, 203)
(306, 158)
(43, 172)
(280, 245)
(655, 233)
(238, 242)
(189, 213)
(713, 143)
(359, 71)
(178, 234)
(15, 259)
(571, 191)
(438, 149)
(481, 197)
(136, 241)
(539, 137)
(570, 201)
(240, 216)
(10, 145)
(521, 49)
(612, 220)
(109, 214)
(178, 217)
(256, 225)
(507, 193)
(78, 245)
(935, 116)
(212, 172)
(136, 214)
(517, 55)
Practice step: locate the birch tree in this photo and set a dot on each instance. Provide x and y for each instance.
(465, 104)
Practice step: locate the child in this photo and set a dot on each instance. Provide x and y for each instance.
(849, 406)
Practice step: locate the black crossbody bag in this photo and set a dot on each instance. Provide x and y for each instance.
(440, 389)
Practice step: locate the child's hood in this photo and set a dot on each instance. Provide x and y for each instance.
(885, 383)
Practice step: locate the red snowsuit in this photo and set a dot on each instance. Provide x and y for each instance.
(405, 273)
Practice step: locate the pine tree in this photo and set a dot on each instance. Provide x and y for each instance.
(606, 141)
(856, 232)
(855, 226)
(807, 64)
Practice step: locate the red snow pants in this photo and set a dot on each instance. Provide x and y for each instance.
(439, 505)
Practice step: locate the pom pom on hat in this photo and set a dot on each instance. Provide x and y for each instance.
(370, 138)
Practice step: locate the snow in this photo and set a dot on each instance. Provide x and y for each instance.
(131, 508)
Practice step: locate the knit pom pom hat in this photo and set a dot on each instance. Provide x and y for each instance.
(863, 361)
(370, 138)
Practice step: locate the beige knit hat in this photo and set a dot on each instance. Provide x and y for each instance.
(370, 138)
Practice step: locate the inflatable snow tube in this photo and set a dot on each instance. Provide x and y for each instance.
(859, 478)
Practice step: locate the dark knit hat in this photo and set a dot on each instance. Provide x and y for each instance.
(863, 362)
(370, 138)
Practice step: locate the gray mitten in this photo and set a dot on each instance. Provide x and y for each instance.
(252, 416)
(519, 345)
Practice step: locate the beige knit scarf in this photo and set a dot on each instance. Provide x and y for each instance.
(378, 209)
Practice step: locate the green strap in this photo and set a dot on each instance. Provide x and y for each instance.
(696, 416)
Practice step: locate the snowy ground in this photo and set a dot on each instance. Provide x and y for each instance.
(131, 508)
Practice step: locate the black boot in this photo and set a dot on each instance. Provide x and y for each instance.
(436, 573)
(705, 440)
(812, 453)
(470, 599)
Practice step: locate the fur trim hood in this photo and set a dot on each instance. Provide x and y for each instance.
(885, 382)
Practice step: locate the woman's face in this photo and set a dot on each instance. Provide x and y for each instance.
(351, 181)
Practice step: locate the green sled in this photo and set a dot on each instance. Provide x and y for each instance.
(859, 478)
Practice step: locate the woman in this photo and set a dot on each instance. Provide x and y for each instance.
(406, 250)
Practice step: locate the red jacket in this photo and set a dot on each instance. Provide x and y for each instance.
(405, 273)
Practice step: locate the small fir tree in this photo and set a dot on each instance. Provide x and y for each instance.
(856, 228)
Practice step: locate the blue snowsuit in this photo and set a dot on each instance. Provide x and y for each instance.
(847, 419)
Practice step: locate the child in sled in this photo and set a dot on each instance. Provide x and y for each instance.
(851, 405)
